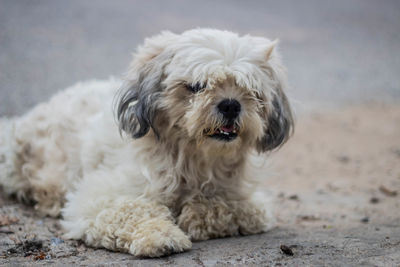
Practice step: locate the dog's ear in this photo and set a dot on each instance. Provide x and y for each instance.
(279, 123)
(137, 102)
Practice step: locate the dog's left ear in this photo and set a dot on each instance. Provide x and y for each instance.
(279, 123)
(137, 103)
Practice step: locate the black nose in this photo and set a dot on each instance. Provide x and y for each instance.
(230, 108)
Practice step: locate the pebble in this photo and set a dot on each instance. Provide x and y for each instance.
(365, 220)
(287, 250)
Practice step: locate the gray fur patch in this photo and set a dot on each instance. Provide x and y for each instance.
(137, 104)
(280, 124)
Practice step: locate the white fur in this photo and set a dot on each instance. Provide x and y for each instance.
(135, 196)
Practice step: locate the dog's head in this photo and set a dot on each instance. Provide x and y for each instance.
(207, 86)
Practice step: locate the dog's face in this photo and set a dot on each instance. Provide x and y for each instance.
(210, 87)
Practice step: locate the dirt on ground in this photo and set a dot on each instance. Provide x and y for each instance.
(335, 189)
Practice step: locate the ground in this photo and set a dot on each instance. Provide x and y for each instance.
(335, 186)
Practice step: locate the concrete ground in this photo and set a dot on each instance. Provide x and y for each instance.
(336, 184)
(335, 195)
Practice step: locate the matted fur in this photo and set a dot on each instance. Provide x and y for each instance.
(172, 183)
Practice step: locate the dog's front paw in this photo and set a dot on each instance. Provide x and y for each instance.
(205, 219)
(252, 219)
(213, 218)
(141, 228)
(159, 240)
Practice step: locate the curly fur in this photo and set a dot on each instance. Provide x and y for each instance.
(150, 195)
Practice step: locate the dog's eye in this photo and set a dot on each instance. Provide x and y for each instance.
(194, 88)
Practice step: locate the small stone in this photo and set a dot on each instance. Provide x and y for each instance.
(365, 220)
(374, 200)
(41, 256)
(287, 250)
(309, 218)
(387, 192)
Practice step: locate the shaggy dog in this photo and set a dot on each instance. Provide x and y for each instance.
(171, 163)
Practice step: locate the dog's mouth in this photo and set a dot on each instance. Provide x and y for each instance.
(225, 133)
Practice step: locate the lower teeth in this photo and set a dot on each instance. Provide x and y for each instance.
(219, 131)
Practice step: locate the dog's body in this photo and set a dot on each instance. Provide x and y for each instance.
(197, 105)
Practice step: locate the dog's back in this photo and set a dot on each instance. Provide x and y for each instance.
(40, 151)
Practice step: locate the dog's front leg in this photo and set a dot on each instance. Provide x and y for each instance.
(139, 227)
(112, 219)
(204, 218)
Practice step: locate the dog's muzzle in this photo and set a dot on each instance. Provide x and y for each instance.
(230, 109)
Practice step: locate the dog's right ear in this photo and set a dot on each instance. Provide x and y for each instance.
(137, 101)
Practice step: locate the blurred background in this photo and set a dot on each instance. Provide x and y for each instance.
(337, 52)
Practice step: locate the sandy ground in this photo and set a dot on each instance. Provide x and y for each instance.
(335, 191)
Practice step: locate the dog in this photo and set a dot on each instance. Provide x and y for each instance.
(151, 163)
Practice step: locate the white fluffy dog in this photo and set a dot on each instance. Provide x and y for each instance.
(196, 104)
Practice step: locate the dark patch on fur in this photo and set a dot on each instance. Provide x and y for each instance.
(280, 124)
(137, 105)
